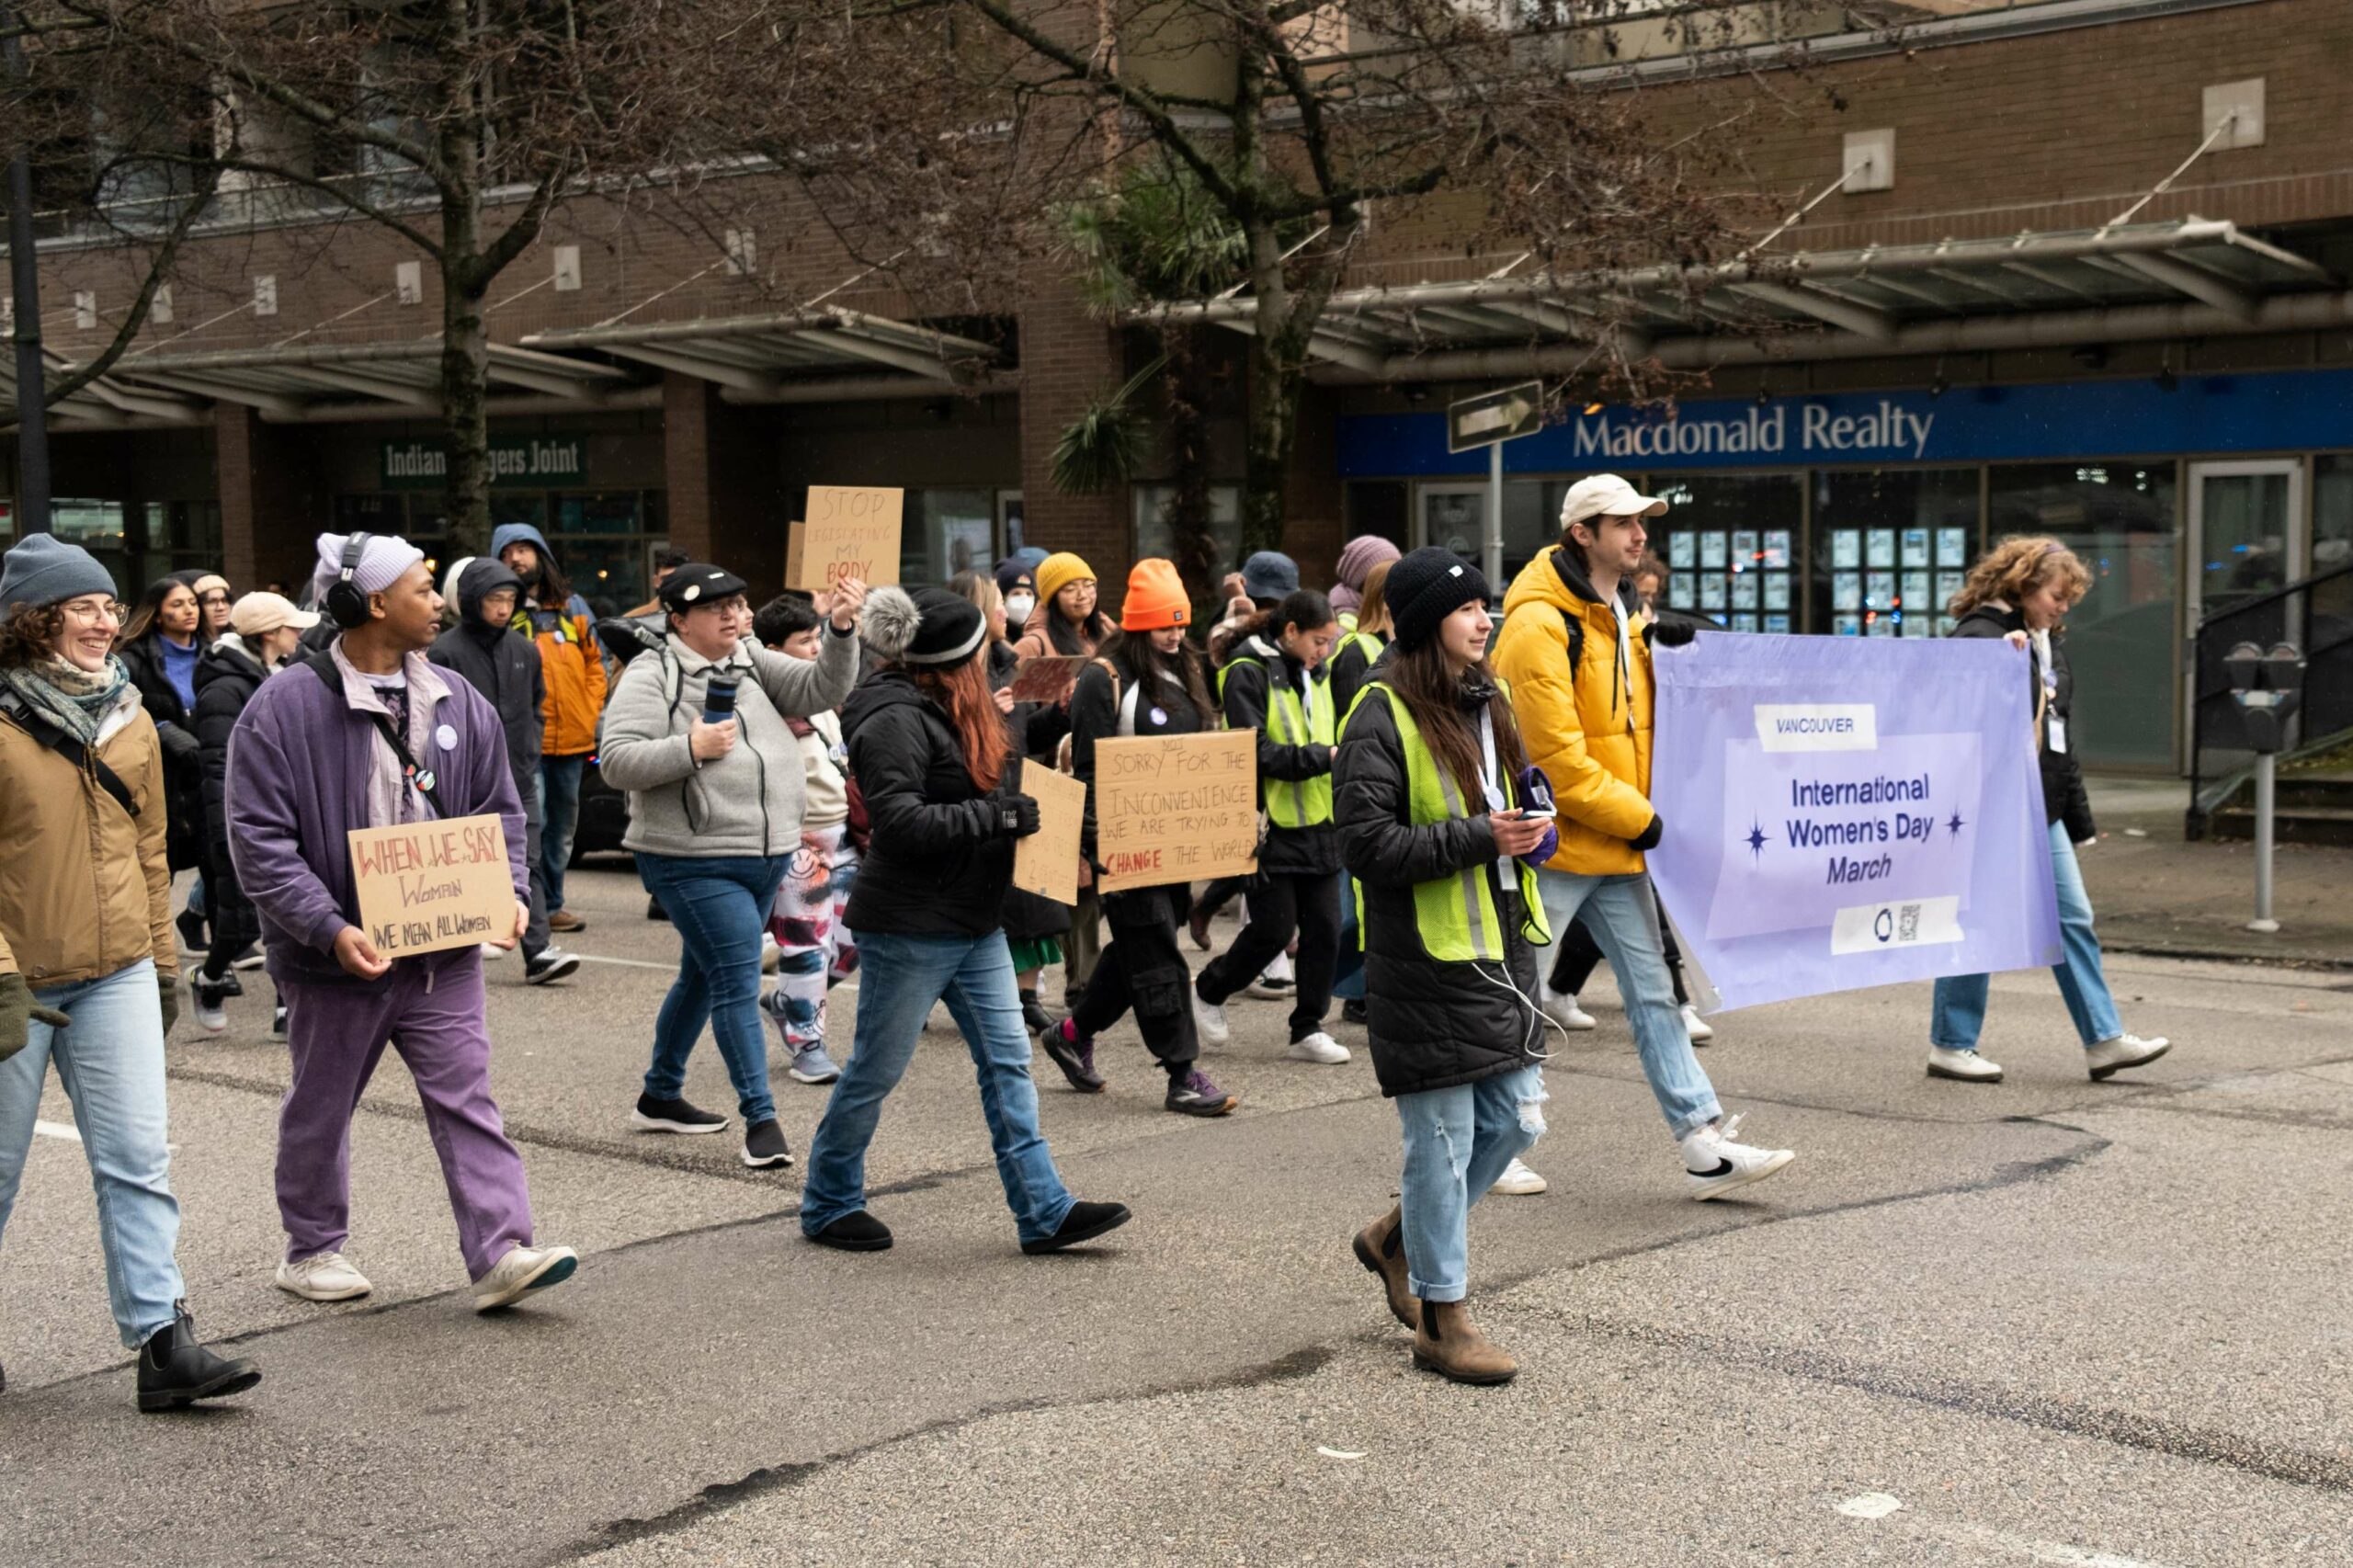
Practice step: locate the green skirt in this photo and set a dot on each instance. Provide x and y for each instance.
(1034, 952)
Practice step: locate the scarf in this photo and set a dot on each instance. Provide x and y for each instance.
(74, 699)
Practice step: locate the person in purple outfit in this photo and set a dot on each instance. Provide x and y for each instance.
(371, 733)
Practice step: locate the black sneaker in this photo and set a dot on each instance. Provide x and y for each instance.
(673, 1116)
(175, 1371)
(1353, 1013)
(764, 1145)
(192, 928)
(249, 957)
(278, 1022)
(654, 910)
(1083, 1223)
(1034, 1015)
(553, 963)
(209, 995)
(1191, 1093)
(1073, 1055)
(229, 984)
(860, 1232)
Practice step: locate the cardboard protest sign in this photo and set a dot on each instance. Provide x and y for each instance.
(424, 886)
(1046, 863)
(851, 532)
(1853, 812)
(1047, 679)
(1176, 808)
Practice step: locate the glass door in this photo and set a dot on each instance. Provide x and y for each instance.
(1454, 516)
(2246, 525)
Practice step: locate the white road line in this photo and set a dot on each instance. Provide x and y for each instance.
(1877, 1506)
(57, 1129)
(628, 963)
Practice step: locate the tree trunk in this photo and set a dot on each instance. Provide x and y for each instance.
(465, 346)
(1194, 543)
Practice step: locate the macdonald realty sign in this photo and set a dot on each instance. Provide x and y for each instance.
(1789, 432)
(528, 463)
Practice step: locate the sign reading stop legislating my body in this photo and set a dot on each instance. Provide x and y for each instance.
(851, 532)
(424, 886)
(1176, 808)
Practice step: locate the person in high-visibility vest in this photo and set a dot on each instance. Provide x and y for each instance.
(1276, 685)
(1365, 638)
(1434, 797)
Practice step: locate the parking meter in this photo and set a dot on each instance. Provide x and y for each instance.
(2267, 686)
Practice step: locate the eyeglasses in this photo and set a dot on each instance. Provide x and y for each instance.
(215, 597)
(90, 612)
(739, 605)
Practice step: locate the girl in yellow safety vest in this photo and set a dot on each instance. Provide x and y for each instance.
(1276, 685)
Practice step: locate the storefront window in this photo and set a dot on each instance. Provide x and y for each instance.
(949, 531)
(98, 527)
(1154, 535)
(2332, 536)
(2121, 518)
(1730, 544)
(1889, 549)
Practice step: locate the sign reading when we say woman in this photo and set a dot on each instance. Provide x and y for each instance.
(425, 886)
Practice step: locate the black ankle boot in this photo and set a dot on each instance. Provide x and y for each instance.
(174, 1370)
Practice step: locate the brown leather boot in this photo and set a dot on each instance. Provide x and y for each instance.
(1450, 1345)
(1380, 1247)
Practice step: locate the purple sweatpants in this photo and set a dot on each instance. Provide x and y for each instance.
(337, 1036)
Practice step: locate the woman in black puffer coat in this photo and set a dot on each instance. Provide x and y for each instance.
(1428, 770)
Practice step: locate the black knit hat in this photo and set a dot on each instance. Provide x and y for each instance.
(1425, 587)
(930, 627)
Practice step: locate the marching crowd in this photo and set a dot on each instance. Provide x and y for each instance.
(828, 786)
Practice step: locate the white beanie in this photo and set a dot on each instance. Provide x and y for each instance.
(381, 562)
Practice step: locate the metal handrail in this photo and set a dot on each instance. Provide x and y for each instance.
(2301, 584)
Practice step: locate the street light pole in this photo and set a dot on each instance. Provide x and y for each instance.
(24, 265)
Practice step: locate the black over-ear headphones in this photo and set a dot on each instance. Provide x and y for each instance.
(345, 605)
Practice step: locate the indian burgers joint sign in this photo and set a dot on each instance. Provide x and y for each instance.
(516, 462)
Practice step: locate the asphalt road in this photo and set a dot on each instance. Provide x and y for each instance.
(2047, 1321)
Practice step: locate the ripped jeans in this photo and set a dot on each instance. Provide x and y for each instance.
(1457, 1141)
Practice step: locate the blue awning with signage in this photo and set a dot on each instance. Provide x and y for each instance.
(2283, 412)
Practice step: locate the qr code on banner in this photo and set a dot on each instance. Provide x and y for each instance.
(1907, 921)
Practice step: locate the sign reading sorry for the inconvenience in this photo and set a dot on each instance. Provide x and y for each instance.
(1176, 808)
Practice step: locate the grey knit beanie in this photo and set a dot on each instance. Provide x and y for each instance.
(42, 569)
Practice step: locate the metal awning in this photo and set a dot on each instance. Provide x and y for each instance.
(767, 358)
(805, 356)
(2139, 281)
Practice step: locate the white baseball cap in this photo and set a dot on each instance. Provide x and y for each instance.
(256, 614)
(1607, 495)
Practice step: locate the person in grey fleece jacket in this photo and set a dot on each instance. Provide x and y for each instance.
(715, 812)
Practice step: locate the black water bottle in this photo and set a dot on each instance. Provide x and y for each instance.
(719, 700)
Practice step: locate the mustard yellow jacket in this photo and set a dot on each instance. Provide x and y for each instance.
(1588, 728)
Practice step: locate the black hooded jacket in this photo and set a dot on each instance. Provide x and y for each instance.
(1301, 851)
(501, 664)
(2063, 796)
(1432, 1025)
(227, 675)
(939, 859)
(176, 727)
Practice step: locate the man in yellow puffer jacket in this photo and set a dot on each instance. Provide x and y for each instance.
(1576, 653)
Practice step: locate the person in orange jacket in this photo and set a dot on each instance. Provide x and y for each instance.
(560, 621)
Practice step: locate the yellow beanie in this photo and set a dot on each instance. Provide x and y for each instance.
(1057, 572)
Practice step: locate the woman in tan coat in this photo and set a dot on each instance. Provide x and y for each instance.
(87, 967)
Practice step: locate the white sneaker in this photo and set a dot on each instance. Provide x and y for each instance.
(522, 1270)
(491, 954)
(1208, 1020)
(323, 1277)
(1561, 1006)
(770, 954)
(1518, 1181)
(1318, 1048)
(212, 1008)
(2110, 1056)
(1713, 1163)
(1281, 973)
(1964, 1065)
(1699, 1029)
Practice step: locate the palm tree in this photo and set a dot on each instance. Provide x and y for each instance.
(1152, 235)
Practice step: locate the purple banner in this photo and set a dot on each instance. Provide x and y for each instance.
(1841, 814)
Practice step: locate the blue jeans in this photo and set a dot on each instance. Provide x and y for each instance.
(559, 803)
(899, 976)
(1457, 1141)
(1622, 914)
(1957, 1017)
(720, 907)
(1347, 974)
(111, 1062)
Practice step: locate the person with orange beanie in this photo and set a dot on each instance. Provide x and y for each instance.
(1146, 679)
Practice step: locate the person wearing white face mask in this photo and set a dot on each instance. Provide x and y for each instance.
(1016, 581)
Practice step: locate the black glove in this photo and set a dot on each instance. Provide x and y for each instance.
(1016, 815)
(1674, 633)
(168, 988)
(17, 1010)
(179, 746)
(1648, 838)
